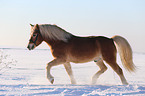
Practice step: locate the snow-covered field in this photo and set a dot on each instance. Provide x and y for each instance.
(22, 72)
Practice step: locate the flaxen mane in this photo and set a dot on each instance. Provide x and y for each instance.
(54, 32)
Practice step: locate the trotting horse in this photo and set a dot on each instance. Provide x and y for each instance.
(66, 48)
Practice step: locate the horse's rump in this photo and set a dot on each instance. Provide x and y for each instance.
(108, 48)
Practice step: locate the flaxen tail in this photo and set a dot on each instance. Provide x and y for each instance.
(125, 52)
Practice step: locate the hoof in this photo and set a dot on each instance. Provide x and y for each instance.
(93, 82)
(125, 83)
(51, 80)
(74, 83)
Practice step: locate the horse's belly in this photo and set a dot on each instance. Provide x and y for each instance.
(81, 60)
(83, 57)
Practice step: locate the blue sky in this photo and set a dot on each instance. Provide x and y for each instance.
(79, 17)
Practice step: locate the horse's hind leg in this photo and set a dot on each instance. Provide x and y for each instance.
(111, 60)
(119, 71)
(70, 73)
(102, 67)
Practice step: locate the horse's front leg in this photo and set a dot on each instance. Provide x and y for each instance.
(70, 73)
(54, 62)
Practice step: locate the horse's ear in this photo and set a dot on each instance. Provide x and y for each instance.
(37, 26)
(32, 25)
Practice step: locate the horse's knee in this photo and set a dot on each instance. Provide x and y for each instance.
(48, 66)
(104, 69)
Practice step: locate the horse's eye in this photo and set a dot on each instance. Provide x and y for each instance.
(34, 35)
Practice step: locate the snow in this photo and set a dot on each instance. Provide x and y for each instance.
(22, 72)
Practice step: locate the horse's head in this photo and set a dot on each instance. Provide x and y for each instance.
(36, 37)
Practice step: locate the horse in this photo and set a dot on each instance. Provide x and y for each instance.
(66, 47)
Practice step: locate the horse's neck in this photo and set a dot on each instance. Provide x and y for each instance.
(50, 42)
(53, 43)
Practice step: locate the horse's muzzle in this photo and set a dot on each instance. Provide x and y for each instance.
(31, 46)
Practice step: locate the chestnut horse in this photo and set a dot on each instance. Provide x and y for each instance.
(66, 48)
